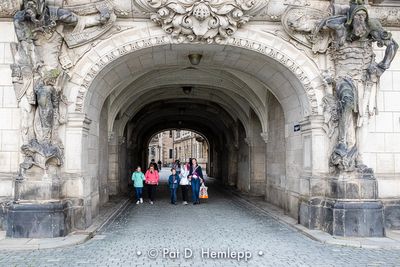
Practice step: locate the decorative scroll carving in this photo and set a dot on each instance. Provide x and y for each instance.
(199, 21)
(356, 77)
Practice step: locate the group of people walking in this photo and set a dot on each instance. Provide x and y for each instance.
(186, 176)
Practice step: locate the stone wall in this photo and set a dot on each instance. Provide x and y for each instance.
(257, 160)
(383, 151)
(276, 167)
(243, 177)
(9, 113)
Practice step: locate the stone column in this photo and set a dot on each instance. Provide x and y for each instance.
(232, 165)
(52, 201)
(315, 156)
(113, 168)
(76, 182)
(123, 172)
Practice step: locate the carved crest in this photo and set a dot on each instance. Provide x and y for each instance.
(94, 20)
(199, 20)
(302, 23)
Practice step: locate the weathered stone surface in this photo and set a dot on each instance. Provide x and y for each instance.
(358, 188)
(349, 218)
(392, 214)
(3, 215)
(317, 213)
(361, 219)
(37, 220)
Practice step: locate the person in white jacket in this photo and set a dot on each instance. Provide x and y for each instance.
(184, 183)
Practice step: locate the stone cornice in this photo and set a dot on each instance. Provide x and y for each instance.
(388, 12)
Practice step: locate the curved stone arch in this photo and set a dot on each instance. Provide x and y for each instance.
(219, 128)
(237, 89)
(222, 113)
(149, 98)
(120, 45)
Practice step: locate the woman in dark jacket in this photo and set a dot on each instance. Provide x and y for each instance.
(196, 178)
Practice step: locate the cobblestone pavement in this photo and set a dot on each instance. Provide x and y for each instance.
(220, 224)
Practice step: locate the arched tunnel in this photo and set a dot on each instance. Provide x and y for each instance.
(221, 130)
(245, 113)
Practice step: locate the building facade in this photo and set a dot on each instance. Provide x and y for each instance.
(298, 99)
(181, 145)
(161, 148)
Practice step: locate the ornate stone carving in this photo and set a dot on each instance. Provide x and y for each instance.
(9, 7)
(38, 76)
(356, 77)
(331, 113)
(301, 24)
(261, 48)
(94, 19)
(200, 21)
(389, 17)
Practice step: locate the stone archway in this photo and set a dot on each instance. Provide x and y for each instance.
(129, 71)
(259, 87)
(109, 52)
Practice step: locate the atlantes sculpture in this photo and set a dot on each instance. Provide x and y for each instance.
(39, 76)
(348, 34)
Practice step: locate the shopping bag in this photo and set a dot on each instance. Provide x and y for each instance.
(203, 191)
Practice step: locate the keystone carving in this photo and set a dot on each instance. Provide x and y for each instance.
(200, 21)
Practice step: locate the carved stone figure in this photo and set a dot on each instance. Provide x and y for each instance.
(38, 76)
(47, 107)
(42, 143)
(356, 78)
(351, 33)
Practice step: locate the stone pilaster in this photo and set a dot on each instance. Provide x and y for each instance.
(343, 204)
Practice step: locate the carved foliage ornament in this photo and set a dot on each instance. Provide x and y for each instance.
(199, 20)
